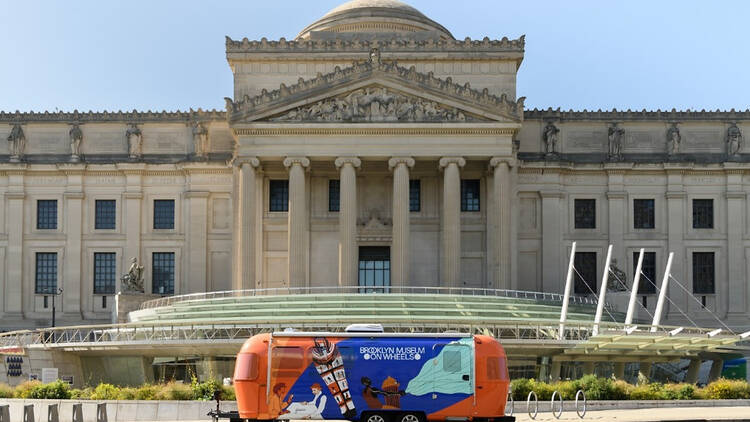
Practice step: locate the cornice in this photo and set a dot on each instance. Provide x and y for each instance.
(112, 116)
(370, 131)
(635, 115)
(340, 45)
(359, 71)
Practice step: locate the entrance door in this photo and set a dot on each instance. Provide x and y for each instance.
(374, 269)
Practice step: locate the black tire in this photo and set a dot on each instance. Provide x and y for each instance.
(411, 417)
(374, 417)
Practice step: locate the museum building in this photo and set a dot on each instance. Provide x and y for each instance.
(374, 149)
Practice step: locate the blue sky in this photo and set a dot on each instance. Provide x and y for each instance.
(169, 54)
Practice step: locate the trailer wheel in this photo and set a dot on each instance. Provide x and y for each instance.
(375, 417)
(410, 417)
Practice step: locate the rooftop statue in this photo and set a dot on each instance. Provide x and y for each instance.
(76, 137)
(673, 140)
(550, 136)
(734, 140)
(17, 143)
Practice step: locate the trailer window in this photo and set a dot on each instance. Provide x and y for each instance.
(288, 358)
(452, 361)
(247, 367)
(496, 369)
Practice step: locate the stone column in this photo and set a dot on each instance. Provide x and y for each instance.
(73, 291)
(132, 201)
(588, 367)
(734, 303)
(348, 252)
(502, 221)
(553, 250)
(197, 228)
(619, 370)
(244, 233)
(297, 227)
(678, 209)
(554, 374)
(644, 370)
(14, 294)
(692, 371)
(401, 227)
(451, 241)
(716, 367)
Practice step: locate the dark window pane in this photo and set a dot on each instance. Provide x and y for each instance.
(703, 273)
(105, 214)
(46, 273)
(585, 275)
(585, 213)
(470, 195)
(643, 214)
(647, 283)
(278, 195)
(163, 273)
(415, 195)
(374, 268)
(46, 214)
(334, 195)
(104, 273)
(164, 213)
(703, 213)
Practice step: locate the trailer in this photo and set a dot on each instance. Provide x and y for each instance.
(371, 376)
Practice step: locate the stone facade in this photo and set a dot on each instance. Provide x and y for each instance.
(370, 107)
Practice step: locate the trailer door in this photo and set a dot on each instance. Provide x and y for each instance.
(454, 372)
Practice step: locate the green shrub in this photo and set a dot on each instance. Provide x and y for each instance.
(621, 389)
(127, 393)
(521, 388)
(726, 389)
(23, 390)
(54, 390)
(567, 389)
(205, 390)
(542, 389)
(651, 391)
(175, 391)
(84, 394)
(146, 392)
(227, 392)
(105, 392)
(6, 391)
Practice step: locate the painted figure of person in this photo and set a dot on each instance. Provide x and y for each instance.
(276, 404)
(312, 409)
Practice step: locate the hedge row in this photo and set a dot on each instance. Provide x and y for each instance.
(597, 388)
(170, 391)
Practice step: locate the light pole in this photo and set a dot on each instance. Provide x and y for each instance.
(59, 292)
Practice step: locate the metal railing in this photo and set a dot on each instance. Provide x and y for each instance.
(157, 333)
(349, 290)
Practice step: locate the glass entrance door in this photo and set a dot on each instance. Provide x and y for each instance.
(374, 269)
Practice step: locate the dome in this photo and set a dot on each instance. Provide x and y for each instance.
(374, 16)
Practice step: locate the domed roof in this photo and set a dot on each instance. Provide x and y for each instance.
(374, 16)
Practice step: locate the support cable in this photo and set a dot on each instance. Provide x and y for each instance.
(594, 293)
(626, 289)
(672, 302)
(700, 303)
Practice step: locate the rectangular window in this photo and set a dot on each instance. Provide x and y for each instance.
(46, 214)
(470, 195)
(703, 213)
(585, 274)
(105, 213)
(105, 274)
(374, 268)
(164, 214)
(647, 283)
(643, 214)
(163, 273)
(703, 273)
(334, 195)
(46, 273)
(415, 195)
(585, 213)
(288, 357)
(278, 195)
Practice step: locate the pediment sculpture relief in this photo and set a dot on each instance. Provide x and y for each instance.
(374, 105)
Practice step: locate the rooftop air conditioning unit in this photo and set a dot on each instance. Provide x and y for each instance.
(364, 328)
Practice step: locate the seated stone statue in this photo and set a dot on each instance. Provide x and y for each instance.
(132, 281)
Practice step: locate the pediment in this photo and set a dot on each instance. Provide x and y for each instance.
(375, 92)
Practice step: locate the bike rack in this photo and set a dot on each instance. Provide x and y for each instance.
(552, 405)
(510, 401)
(581, 412)
(528, 405)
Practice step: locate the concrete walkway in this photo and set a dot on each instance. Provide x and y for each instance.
(649, 415)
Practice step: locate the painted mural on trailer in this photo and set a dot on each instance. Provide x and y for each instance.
(353, 375)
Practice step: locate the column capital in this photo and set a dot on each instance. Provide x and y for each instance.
(497, 161)
(252, 161)
(302, 161)
(354, 161)
(395, 161)
(446, 161)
